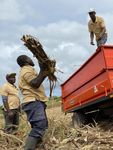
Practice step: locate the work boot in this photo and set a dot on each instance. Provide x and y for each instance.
(31, 143)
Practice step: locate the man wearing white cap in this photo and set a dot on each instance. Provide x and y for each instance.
(96, 26)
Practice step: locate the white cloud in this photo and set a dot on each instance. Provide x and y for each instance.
(7, 50)
(62, 41)
(10, 11)
(61, 26)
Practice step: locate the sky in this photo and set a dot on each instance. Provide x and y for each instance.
(61, 27)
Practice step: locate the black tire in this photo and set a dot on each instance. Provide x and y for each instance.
(78, 119)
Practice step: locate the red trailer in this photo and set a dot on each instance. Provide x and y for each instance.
(90, 88)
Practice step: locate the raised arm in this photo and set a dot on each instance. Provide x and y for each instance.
(36, 82)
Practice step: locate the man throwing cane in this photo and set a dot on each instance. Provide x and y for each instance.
(97, 28)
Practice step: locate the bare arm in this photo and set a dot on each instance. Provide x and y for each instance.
(36, 82)
(5, 103)
(91, 38)
(102, 33)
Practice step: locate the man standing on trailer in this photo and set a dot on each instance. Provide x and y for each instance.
(97, 28)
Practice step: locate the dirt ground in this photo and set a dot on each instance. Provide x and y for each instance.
(91, 137)
(61, 135)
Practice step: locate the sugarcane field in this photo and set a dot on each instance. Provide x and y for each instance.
(61, 135)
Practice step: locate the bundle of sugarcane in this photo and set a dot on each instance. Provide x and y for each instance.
(45, 63)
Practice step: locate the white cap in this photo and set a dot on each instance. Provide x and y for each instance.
(91, 10)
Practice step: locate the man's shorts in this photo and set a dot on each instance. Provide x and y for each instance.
(102, 41)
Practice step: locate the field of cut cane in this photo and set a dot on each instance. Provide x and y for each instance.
(61, 135)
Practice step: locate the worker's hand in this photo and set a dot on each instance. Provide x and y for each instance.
(99, 38)
(42, 67)
(10, 113)
(92, 43)
(45, 73)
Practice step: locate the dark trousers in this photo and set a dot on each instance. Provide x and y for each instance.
(36, 115)
(11, 122)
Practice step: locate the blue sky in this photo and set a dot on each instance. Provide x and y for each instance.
(60, 25)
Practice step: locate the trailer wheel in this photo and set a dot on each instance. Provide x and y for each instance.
(78, 119)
